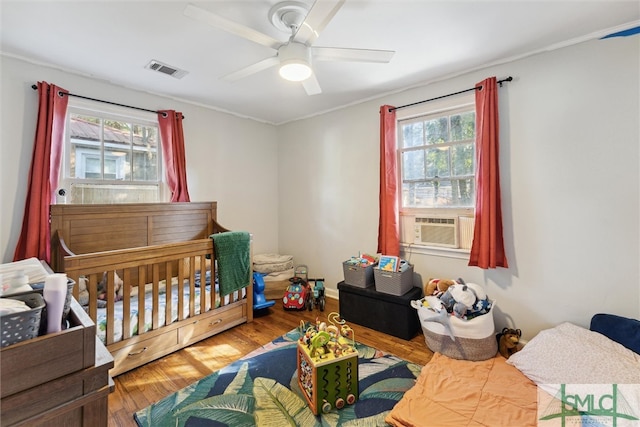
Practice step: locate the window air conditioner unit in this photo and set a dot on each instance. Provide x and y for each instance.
(436, 231)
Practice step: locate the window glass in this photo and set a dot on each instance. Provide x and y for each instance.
(437, 130)
(111, 158)
(438, 159)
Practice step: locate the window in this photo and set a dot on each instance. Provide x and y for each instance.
(437, 155)
(111, 157)
(436, 151)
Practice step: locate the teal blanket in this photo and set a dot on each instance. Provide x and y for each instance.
(233, 256)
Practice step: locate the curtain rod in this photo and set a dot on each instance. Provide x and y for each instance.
(35, 87)
(508, 79)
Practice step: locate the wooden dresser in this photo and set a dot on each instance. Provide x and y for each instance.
(59, 379)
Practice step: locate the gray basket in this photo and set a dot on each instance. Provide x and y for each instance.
(360, 277)
(393, 283)
(25, 325)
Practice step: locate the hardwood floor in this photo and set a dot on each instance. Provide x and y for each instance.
(143, 386)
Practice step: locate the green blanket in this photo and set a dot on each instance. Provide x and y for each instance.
(233, 256)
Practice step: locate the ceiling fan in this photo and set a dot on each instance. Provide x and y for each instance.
(295, 56)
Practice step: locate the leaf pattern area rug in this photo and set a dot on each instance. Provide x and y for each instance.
(261, 389)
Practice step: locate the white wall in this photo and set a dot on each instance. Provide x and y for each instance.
(570, 186)
(230, 160)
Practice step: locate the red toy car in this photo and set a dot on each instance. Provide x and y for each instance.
(298, 295)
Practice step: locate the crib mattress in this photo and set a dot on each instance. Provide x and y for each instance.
(101, 320)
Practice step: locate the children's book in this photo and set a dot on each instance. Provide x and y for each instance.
(388, 263)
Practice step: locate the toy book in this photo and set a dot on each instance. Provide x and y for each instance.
(388, 263)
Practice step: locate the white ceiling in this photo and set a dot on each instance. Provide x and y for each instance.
(114, 40)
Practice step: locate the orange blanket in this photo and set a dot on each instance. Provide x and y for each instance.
(452, 392)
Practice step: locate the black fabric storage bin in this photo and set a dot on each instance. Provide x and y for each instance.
(385, 313)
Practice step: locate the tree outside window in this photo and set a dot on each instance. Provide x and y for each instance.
(437, 155)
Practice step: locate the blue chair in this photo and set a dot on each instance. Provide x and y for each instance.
(259, 301)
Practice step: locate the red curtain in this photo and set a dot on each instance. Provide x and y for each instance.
(173, 153)
(35, 239)
(487, 250)
(388, 229)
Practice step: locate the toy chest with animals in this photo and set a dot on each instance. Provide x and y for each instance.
(328, 378)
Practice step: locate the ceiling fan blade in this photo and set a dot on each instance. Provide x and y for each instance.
(352, 55)
(224, 24)
(311, 85)
(318, 17)
(251, 69)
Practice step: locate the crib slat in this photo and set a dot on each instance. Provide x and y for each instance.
(76, 289)
(92, 289)
(155, 307)
(181, 294)
(142, 280)
(203, 284)
(213, 292)
(168, 313)
(110, 298)
(192, 287)
(126, 304)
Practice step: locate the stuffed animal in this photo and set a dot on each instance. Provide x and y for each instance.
(83, 292)
(458, 299)
(117, 287)
(466, 300)
(508, 341)
(482, 304)
(437, 287)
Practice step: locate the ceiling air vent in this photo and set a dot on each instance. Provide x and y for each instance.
(166, 69)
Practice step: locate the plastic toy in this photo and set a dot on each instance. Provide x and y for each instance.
(302, 272)
(297, 296)
(259, 300)
(318, 299)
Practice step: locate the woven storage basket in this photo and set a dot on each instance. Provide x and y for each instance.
(474, 339)
(25, 325)
(392, 282)
(360, 277)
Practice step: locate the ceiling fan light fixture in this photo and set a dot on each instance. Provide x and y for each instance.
(295, 62)
(295, 71)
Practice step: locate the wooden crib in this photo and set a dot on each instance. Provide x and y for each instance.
(144, 267)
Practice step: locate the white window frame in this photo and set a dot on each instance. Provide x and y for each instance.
(407, 214)
(111, 112)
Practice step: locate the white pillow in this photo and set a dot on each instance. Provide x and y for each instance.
(570, 354)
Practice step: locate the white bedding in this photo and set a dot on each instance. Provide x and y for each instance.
(570, 354)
